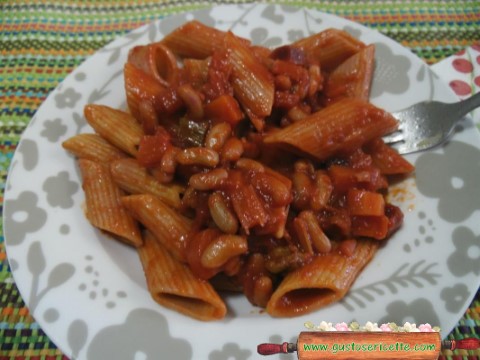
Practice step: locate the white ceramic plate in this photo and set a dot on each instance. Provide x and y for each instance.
(88, 293)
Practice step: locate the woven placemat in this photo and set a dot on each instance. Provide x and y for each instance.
(42, 41)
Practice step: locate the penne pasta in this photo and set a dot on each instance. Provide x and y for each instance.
(93, 147)
(195, 40)
(251, 81)
(344, 178)
(156, 60)
(388, 160)
(169, 227)
(341, 127)
(147, 97)
(196, 71)
(173, 285)
(353, 77)
(133, 178)
(324, 280)
(117, 127)
(330, 47)
(104, 209)
(259, 169)
(375, 227)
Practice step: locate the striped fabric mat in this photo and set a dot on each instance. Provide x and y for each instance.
(42, 41)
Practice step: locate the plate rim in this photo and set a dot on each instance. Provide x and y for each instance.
(86, 63)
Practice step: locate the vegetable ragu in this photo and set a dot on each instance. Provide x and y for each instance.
(244, 168)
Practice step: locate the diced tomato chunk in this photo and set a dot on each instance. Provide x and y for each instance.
(345, 178)
(365, 203)
(224, 109)
(152, 147)
(375, 227)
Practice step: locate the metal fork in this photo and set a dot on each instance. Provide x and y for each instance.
(427, 124)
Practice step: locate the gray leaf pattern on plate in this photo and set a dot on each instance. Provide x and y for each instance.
(405, 276)
(114, 56)
(260, 36)
(29, 150)
(51, 315)
(311, 21)
(152, 32)
(291, 9)
(419, 311)
(455, 297)
(60, 190)
(170, 23)
(77, 336)
(353, 31)
(80, 121)
(96, 289)
(425, 233)
(456, 185)
(466, 258)
(98, 94)
(230, 351)
(58, 276)
(294, 35)
(36, 260)
(129, 39)
(129, 342)
(80, 76)
(422, 73)
(53, 130)
(390, 74)
(24, 216)
(271, 14)
(67, 99)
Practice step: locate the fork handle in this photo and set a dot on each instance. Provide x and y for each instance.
(467, 105)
